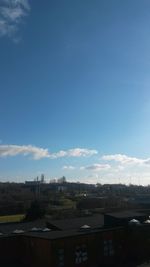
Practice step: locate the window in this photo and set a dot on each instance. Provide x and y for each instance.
(61, 258)
(81, 254)
(108, 248)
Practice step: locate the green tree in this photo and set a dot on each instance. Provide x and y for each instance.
(35, 211)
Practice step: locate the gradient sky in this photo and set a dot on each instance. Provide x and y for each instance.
(75, 90)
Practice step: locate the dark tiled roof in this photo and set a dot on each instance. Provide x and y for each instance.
(126, 214)
(8, 228)
(70, 233)
(94, 221)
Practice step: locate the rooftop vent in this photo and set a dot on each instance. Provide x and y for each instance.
(46, 230)
(35, 229)
(147, 221)
(85, 227)
(18, 231)
(134, 222)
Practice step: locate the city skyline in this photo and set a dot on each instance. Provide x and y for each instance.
(75, 97)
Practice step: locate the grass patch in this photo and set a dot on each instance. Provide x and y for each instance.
(12, 218)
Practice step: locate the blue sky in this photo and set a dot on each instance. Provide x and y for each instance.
(74, 87)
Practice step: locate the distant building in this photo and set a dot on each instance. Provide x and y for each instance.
(61, 188)
(42, 179)
(142, 200)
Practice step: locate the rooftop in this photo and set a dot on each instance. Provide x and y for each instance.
(127, 214)
(94, 221)
(68, 233)
(8, 228)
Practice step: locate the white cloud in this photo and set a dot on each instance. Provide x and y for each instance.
(75, 152)
(38, 153)
(126, 160)
(120, 167)
(68, 167)
(124, 169)
(96, 167)
(12, 13)
(14, 150)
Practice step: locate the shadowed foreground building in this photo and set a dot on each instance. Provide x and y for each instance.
(86, 246)
(66, 248)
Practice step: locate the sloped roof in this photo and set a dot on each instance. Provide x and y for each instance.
(126, 214)
(8, 228)
(94, 221)
(68, 233)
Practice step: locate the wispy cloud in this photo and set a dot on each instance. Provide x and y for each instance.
(75, 152)
(96, 167)
(14, 150)
(38, 153)
(12, 13)
(68, 167)
(126, 160)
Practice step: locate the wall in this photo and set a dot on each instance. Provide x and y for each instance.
(110, 247)
(93, 249)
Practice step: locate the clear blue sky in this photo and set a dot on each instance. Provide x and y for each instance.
(75, 74)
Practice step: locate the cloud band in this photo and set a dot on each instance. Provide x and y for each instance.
(38, 153)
